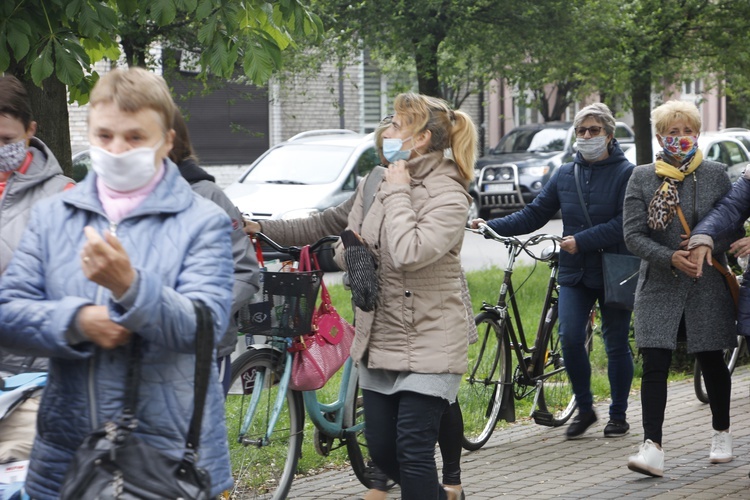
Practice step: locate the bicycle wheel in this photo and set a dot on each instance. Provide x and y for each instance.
(481, 390)
(262, 470)
(556, 399)
(730, 358)
(356, 445)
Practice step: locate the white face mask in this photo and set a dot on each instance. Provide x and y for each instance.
(593, 148)
(12, 156)
(126, 171)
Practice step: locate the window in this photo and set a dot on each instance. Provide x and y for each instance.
(735, 153)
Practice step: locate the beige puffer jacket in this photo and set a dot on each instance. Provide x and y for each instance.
(415, 233)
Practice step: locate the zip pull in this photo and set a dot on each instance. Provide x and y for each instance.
(113, 228)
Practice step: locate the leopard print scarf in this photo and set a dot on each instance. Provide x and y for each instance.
(663, 206)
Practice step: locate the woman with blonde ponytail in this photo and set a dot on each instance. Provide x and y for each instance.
(411, 344)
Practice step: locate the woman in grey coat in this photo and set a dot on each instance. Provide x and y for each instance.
(670, 300)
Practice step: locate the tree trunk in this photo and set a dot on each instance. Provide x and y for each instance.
(49, 106)
(427, 69)
(641, 104)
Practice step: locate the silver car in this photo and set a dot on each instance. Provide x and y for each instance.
(308, 173)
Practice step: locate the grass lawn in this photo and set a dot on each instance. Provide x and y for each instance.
(530, 283)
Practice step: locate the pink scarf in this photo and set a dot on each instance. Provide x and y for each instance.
(118, 205)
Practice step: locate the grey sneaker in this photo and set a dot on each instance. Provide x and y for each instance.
(616, 428)
(721, 448)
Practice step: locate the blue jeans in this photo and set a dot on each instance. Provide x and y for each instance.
(574, 307)
(401, 432)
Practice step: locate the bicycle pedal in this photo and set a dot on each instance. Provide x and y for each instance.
(542, 418)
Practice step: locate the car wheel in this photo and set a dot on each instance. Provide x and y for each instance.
(326, 260)
(473, 211)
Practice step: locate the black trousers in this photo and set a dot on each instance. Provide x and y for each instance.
(656, 364)
(449, 439)
(402, 430)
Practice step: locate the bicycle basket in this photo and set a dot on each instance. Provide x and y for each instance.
(286, 305)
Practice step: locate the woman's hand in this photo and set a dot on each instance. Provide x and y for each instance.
(251, 227)
(397, 173)
(698, 255)
(741, 247)
(106, 263)
(682, 261)
(569, 245)
(475, 223)
(94, 323)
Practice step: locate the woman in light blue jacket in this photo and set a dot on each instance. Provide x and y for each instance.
(124, 253)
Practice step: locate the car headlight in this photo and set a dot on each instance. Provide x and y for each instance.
(536, 171)
(300, 213)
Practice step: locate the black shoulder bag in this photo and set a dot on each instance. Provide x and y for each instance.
(618, 270)
(112, 463)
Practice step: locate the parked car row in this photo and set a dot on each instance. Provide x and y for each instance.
(514, 172)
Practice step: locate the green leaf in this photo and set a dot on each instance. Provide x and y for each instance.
(18, 41)
(42, 67)
(88, 23)
(260, 60)
(163, 11)
(73, 8)
(127, 7)
(216, 57)
(203, 10)
(207, 31)
(99, 49)
(186, 5)
(67, 66)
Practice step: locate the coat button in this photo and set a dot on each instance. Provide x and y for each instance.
(407, 293)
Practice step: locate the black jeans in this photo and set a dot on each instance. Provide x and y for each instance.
(450, 440)
(401, 432)
(654, 389)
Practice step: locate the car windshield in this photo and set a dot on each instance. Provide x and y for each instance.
(532, 140)
(300, 164)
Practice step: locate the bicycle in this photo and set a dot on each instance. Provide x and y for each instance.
(491, 385)
(265, 419)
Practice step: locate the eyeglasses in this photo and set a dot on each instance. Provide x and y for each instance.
(386, 120)
(581, 131)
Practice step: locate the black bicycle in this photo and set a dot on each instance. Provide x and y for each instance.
(492, 383)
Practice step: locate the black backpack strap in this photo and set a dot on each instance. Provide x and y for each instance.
(580, 194)
(204, 350)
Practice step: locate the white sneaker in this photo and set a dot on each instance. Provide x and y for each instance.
(721, 447)
(649, 460)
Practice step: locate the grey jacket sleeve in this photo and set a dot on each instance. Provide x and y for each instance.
(243, 253)
(307, 230)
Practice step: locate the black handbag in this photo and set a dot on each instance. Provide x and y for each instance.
(619, 271)
(112, 463)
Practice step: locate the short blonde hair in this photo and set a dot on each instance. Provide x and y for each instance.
(665, 115)
(134, 89)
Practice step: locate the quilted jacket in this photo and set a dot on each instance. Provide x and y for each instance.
(43, 178)
(180, 246)
(603, 186)
(415, 233)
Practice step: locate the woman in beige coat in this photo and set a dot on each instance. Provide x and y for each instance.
(411, 348)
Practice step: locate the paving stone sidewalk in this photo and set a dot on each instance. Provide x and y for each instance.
(530, 461)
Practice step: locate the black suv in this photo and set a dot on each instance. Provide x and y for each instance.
(513, 173)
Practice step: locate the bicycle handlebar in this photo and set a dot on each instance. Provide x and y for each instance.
(517, 245)
(294, 250)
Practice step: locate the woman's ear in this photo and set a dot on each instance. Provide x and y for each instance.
(422, 141)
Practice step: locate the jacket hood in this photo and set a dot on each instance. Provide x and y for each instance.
(616, 156)
(193, 173)
(172, 194)
(43, 166)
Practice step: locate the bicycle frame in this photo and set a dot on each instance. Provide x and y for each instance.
(314, 409)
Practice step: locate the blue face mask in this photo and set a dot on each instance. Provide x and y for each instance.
(392, 150)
